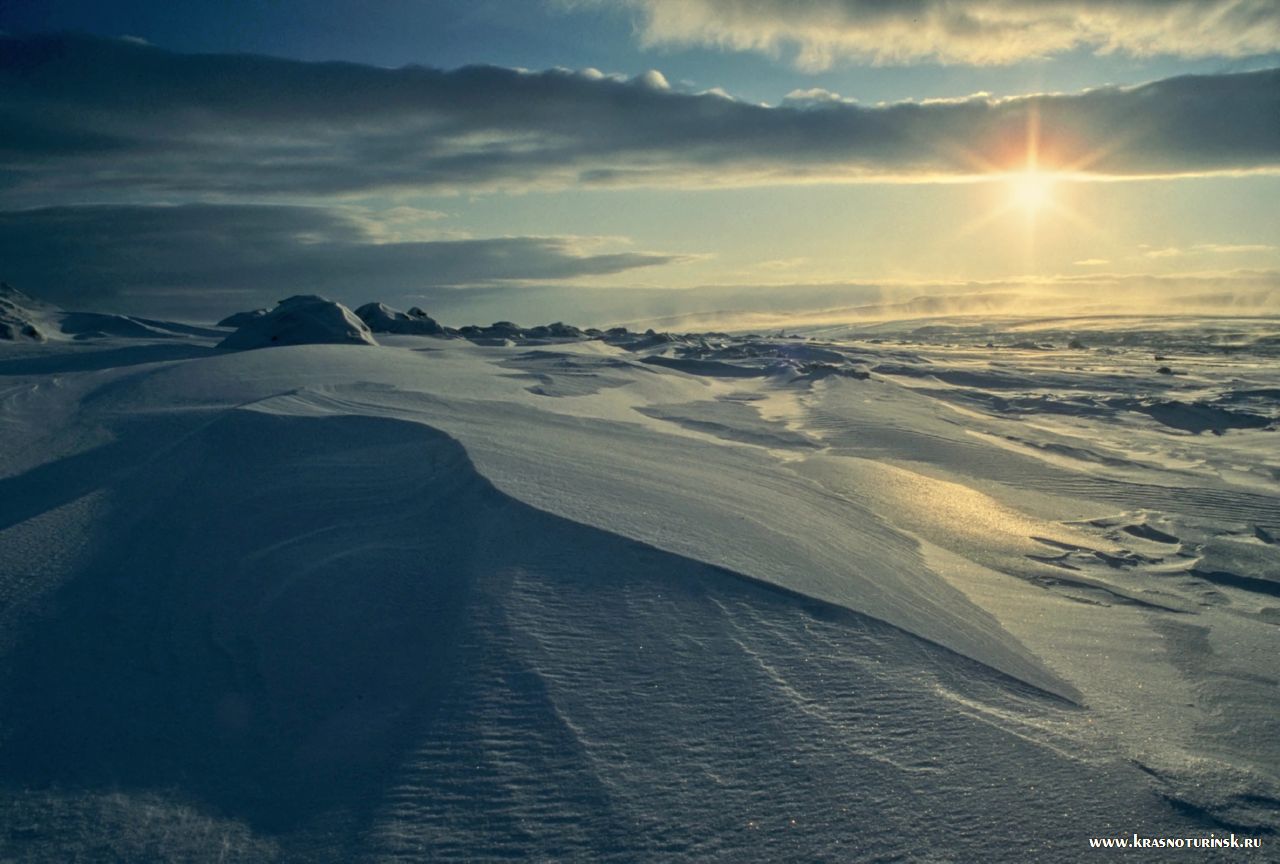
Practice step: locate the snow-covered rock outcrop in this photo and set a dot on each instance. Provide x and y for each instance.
(17, 319)
(304, 319)
(381, 318)
(500, 331)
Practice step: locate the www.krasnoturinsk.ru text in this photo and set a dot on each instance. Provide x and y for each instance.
(1210, 842)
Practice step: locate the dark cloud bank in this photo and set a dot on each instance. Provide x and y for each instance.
(90, 117)
(214, 259)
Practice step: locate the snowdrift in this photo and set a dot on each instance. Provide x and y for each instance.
(331, 636)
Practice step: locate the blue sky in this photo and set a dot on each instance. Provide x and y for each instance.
(801, 168)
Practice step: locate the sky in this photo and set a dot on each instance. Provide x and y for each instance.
(610, 160)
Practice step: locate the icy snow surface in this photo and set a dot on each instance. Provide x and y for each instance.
(885, 594)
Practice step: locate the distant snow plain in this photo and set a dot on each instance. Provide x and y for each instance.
(931, 590)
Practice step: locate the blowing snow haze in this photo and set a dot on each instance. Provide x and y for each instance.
(639, 430)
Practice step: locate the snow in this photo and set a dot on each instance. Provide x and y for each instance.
(383, 319)
(619, 597)
(19, 318)
(300, 320)
(239, 319)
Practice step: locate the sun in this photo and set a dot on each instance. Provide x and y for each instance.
(1031, 190)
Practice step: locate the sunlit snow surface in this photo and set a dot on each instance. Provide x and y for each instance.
(926, 591)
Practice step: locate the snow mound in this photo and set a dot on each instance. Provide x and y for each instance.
(17, 322)
(301, 320)
(240, 319)
(383, 319)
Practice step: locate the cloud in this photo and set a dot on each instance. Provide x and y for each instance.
(783, 263)
(215, 259)
(1232, 248)
(110, 121)
(1210, 249)
(816, 33)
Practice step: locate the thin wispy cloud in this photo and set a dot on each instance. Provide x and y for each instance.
(107, 120)
(1210, 249)
(814, 34)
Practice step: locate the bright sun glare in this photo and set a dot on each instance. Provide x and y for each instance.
(1032, 190)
